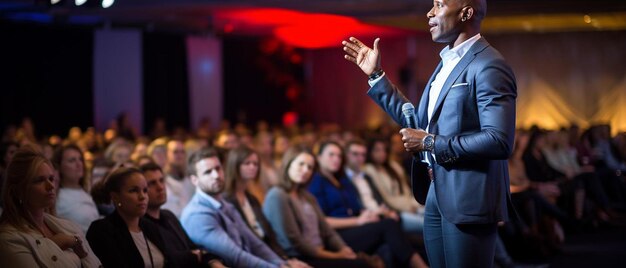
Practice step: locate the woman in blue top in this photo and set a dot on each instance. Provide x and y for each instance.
(363, 230)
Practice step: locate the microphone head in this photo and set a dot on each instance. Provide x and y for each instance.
(408, 109)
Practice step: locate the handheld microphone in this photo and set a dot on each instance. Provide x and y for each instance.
(409, 115)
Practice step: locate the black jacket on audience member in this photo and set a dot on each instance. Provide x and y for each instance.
(112, 242)
(178, 242)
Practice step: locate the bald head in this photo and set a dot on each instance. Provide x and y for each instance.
(454, 21)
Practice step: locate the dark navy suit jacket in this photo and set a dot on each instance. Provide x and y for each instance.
(474, 124)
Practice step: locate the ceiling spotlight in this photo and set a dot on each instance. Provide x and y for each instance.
(107, 3)
(79, 2)
(54, 2)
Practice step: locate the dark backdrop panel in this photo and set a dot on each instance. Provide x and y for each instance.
(45, 74)
(257, 75)
(166, 91)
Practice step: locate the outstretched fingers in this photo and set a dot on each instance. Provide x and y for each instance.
(376, 44)
(351, 49)
(354, 44)
(349, 58)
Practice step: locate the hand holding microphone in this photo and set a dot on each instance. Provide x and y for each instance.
(412, 136)
(409, 115)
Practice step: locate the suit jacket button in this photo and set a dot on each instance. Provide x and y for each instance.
(54, 258)
(37, 241)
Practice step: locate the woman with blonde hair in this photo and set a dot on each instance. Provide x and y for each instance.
(31, 237)
(74, 202)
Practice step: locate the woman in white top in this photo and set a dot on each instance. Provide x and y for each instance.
(389, 179)
(30, 236)
(74, 203)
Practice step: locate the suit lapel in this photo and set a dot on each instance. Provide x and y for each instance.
(422, 114)
(458, 69)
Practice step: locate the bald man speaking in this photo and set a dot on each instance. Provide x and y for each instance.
(466, 126)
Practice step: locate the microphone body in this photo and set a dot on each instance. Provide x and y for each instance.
(408, 110)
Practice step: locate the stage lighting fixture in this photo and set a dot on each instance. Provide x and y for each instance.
(107, 3)
(93, 3)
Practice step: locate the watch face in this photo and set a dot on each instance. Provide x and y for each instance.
(429, 142)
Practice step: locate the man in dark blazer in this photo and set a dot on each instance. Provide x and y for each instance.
(184, 252)
(466, 125)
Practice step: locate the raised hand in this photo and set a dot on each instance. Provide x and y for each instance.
(363, 56)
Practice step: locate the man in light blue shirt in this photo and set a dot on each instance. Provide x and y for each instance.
(216, 226)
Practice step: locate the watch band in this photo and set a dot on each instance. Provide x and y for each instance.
(375, 75)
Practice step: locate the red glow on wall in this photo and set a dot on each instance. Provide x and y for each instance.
(229, 28)
(304, 30)
(262, 16)
(290, 119)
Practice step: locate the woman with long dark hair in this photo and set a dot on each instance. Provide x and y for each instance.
(298, 220)
(390, 180)
(243, 190)
(363, 230)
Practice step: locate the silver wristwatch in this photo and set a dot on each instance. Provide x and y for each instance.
(428, 142)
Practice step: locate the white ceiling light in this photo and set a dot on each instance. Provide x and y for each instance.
(107, 3)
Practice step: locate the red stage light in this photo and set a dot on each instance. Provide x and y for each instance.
(304, 30)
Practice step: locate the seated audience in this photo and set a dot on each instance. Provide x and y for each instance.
(226, 140)
(178, 186)
(182, 249)
(554, 185)
(561, 157)
(299, 222)
(30, 236)
(371, 198)
(124, 238)
(363, 230)
(7, 150)
(390, 180)
(216, 226)
(74, 202)
(242, 180)
(264, 147)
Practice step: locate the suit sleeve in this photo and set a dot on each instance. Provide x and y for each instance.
(495, 100)
(205, 230)
(389, 98)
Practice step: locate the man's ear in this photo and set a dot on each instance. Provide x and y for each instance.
(467, 13)
(194, 180)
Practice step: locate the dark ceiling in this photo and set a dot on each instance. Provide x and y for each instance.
(199, 15)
